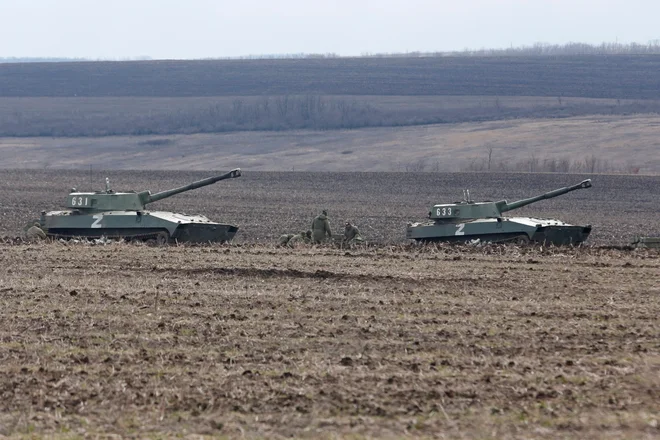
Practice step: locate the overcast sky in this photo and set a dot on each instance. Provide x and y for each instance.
(117, 29)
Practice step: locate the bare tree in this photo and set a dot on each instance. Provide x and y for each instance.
(490, 155)
(417, 166)
(533, 163)
(590, 163)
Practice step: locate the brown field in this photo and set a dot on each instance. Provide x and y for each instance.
(254, 341)
(266, 204)
(620, 143)
(388, 340)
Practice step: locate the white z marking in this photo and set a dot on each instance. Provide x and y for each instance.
(97, 222)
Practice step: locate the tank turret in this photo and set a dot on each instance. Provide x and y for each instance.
(109, 200)
(467, 209)
(468, 220)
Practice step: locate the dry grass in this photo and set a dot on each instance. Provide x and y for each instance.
(623, 141)
(391, 341)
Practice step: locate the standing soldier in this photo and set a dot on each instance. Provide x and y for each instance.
(351, 233)
(35, 233)
(321, 227)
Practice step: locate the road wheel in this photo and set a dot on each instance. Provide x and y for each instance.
(521, 240)
(162, 238)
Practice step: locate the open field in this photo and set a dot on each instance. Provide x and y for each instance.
(623, 142)
(307, 114)
(265, 205)
(389, 340)
(386, 340)
(216, 96)
(254, 341)
(593, 76)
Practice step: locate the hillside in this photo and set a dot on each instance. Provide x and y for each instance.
(586, 144)
(596, 76)
(348, 114)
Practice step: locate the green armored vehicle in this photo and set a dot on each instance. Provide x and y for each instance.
(113, 214)
(468, 220)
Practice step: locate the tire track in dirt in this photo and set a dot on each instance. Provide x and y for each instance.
(319, 274)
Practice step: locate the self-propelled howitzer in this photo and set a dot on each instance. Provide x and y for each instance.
(125, 215)
(468, 220)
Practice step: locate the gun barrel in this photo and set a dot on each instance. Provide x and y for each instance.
(200, 183)
(558, 192)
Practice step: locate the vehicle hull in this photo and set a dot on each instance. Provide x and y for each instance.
(137, 225)
(514, 229)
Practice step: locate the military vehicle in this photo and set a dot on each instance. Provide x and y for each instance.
(124, 215)
(646, 242)
(468, 220)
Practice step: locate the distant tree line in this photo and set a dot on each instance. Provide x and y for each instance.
(573, 48)
(537, 49)
(590, 164)
(278, 113)
(267, 113)
(542, 49)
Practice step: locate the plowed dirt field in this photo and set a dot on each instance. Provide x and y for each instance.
(386, 340)
(256, 341)
(267, 204)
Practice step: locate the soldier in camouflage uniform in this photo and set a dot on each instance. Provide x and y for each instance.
(351, 233)
(302, 238)
(35, 233)
(321, 227)
(284, 239)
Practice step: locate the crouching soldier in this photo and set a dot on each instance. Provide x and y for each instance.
(284, 239)
(351, 233)
(35, 233)
(302, 238)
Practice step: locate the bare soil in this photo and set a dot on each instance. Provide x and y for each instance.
(393, 341)
(265, 205)
(386, 340)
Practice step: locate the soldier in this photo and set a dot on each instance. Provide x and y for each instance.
(299, 239)
(35, 233)
(351, 233)
(321, 227)
(284, 239)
